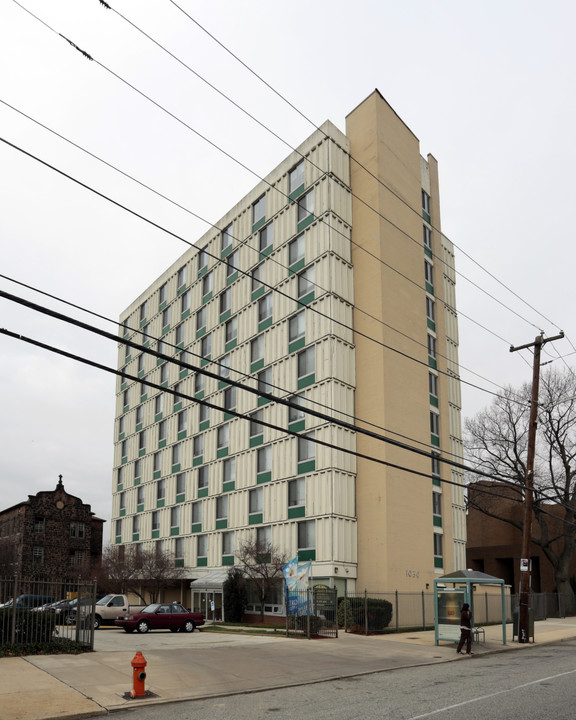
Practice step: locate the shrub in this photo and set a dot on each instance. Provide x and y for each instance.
(234, 596)
(300, 622)
(31, 627)
(352, 611)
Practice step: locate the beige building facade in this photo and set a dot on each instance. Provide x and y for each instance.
(331, 286)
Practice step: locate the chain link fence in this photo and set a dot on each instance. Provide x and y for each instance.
(36, 612)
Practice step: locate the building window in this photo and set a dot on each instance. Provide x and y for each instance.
(259, 210)
(181, 484)
(157, 464)
(161, 489)
(206, 346)
(227, 237)
(264, 538)
(38, 555)
(126, 399)
(225, 301)
(223, 436)
(224, 365)
(306, 207)
(435, 465)
(135, 524)
(166, 313)
(296, 177)
(202, 260)
(142, 441)
(432, 346)
(182, 421)
(306, 448)
(296, 250)
(140, 496)
(198, 446)
(143, 311)
(202, 547)
(265, 308)
(258, 277)
(179, 552)
(232, 264)
(161, 432)
(306, 363)
(230, 398)
(297, 492)
(222, 507)
(137, 470)
(201, 319)
(430, 309)
(297, 326)
(296, 412)
(265, 381)
(255, 423)
(428, 272)
(231, 330)
(255, 501)
(264, 459)
(438, 550)
(175, 518)
(436, 504)
(307, 535)
(199, 383)
(427, 237)
(164, 373)
(139, 415)
(181, 279)
(433, 384)
(425, 202)
(77, 557)
(119, 479)
(267, 237)
(229, 471)
(78, 529)
(159, 404)
(434, 424)
(207, 284)
(162, 294)
(140, 363)
(197, 513)
(228, 543)
(176, 454)
(306, 282)
(257, 349)
(185, 302)
(203, 415)
(155, 521)
(203, 477)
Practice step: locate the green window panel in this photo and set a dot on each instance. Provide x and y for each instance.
(232, 278)
(306, 467)
(162, 306)
(135, 537)
(258, 365)
(202, 271)
(438, 562)
(185, 314)
(137, 481)
(166, 329)
(160, 503)
(181, 289)
(128, 359)
(178, 405)
(159, 361)
(118, 539)
(258, 292)
(181, 376)
(427, 251)
(222, 384)
(222, 452)
(264, 324)
(221, 524)
(205, 360)
(197, 527)
(143, 397)
(155, 534)
(296, 193)
(435, 440)
(162, 444)
(263, 477)
(142, 452)
(307, 299)
(125, 408)
(228, 486)
(181, 497)
(267, 250)
(176, 468)
(225, 315)
(306, 381)
(437, 482)
(255, 519)
(426, 216)
(429, 288)
(179, 562)
(304, 223)
(230, 345)
(157, 475)
(227, 559)
(259, 224)
(437, 520)
(305, 555)
(140, 508)
(141, 373)
(431, 324)
(174, 531)
(432, 363)
(181, 434)
(204, 425)
(121, 487)
(226, 252)
(146, 343)
(296, 512)
(433, 401)
(202, 562)
(203, 492)
(200, 333)
(296, 267)
(296, 345)
(263, 401)
(298, 426)
(124, 385)
(206, 298)
(256, 440)
(124, 460)
(123, 512)
(197, 461)
(199, 395)
(229, 416)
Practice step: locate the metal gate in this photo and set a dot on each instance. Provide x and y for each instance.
(312, 613)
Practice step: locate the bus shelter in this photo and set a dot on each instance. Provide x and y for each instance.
(451, 592)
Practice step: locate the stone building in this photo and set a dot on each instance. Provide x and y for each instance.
(51, 536)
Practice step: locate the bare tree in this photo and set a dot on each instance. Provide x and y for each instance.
(135, 569)
(261, 563)
(497, 440)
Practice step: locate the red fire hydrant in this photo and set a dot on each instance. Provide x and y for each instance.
(139, 664)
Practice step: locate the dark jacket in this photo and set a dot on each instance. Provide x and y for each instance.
(465, 618)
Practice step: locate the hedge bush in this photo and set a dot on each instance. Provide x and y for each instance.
(351, 613)
(300, 622)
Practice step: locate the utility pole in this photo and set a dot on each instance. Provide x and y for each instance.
(525, 565)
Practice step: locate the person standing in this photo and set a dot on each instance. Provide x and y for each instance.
(465, 630)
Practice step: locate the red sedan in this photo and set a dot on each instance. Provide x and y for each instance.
(161, 616)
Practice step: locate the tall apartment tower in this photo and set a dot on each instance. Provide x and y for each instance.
(331, 286)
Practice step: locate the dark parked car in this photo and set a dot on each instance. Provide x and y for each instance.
(161, 616)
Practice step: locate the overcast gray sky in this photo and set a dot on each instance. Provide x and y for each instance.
(488, 88)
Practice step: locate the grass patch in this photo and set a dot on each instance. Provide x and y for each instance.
(244, 628)
(60, 647)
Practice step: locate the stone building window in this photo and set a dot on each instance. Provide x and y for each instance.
(77, 530)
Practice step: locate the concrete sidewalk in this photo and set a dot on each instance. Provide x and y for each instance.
(207, 664)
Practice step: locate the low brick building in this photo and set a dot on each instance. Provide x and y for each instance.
(494, 546)
(51, 536)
